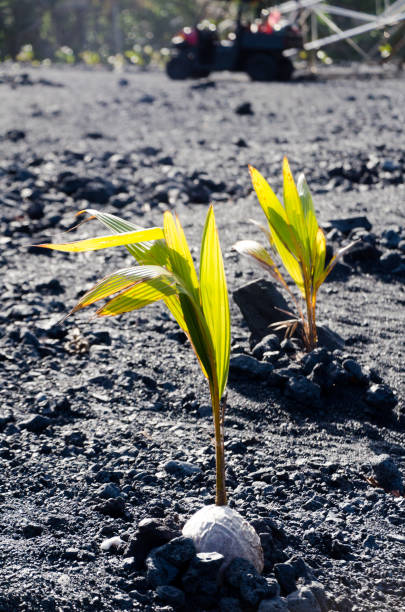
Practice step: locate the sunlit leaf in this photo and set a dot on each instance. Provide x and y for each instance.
(274, 211)
(145, 252)
(295, 214)
(309, 214)
(179, 253)
(320, 253)
(104, 242)
(153, 253)
(123, 279)
(214, 297)
(136, 297)
(260, 255)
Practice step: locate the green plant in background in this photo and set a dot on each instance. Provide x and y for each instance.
(65, 55)
(165, 271)
(91, 58)
(26, 54)
(293, 234)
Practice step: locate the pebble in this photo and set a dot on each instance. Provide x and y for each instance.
(201, 578)
(315, 357)
(171, 596)
(303, 391)
(32, 530)
(244, 109)
(109, 491)
(303, 600)
(285, 575)
(275, 604)
(347, 225)
(270, 342)
(181, 469)
(249, 366)
(243, 576)
(113, 507)
(36, 424)
(387, 473)
(380, 397)
(114, 544)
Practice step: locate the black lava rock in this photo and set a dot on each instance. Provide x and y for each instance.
(171, 595)
(244, 109)
(151, 533)
(303, 600)
(380, 397)
(303, 391)
(261, 304)
(249, 366)
(354, 371)
(229, 604)
(389, 261)
(181, 469)
(32, 531)
(363, 254)
(275, 604)
(95, 191)
(328, 375)
(15, 135)
(315, 357)
(242, 576)
(270, 342)
(159, 571)
(165, 563)
(286, 576)
(109, 491)
(37, 424)
(348, 224)
(35, 210)
(178, 551)
(113, 507)
(201, 580)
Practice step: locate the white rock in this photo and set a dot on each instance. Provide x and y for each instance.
(111, 543)
(221, 529)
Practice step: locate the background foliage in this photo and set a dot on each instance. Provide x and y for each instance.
(65, 29)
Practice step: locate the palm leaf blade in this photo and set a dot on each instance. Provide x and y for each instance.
(214, 297)
(309, 214)
(274, 211)
(104, 242)
(145, 252)
(136, 297)
(121, 280)
(295, 212)
(179, 253)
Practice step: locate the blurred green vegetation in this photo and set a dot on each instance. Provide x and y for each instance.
(94, 30)
(114, 31)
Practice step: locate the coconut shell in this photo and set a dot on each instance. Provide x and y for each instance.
(223, 530)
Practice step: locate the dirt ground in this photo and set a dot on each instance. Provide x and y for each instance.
(93, 413)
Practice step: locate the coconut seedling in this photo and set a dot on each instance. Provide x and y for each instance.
(294, 234)
(165, 271)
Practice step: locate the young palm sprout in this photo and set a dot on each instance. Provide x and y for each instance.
(165, 271)
(294, 234)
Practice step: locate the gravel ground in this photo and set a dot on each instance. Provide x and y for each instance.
(105, 428)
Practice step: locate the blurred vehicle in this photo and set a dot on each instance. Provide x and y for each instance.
(253, 47)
